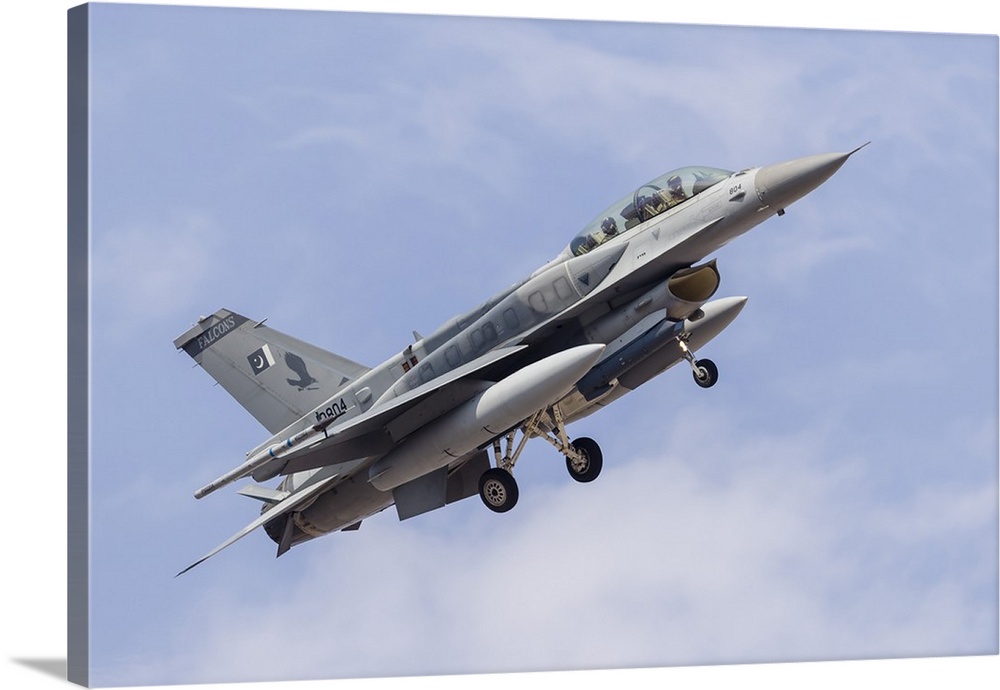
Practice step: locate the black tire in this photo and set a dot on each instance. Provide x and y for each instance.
(592, 460)
(498, 489)
(707, 374)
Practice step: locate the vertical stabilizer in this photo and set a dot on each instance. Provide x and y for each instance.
(276, 377)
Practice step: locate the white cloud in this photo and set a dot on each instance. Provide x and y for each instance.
(717, 548)
(153, 267)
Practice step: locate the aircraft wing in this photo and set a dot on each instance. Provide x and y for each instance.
(380, 428)
(277, 510)
(373, 432)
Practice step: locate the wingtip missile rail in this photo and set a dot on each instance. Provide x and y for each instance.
(313, 434)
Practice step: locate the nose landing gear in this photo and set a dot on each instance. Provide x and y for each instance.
(705, 373)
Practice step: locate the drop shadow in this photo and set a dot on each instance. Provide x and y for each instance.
(50, 667)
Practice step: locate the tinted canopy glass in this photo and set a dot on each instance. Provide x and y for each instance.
(646, 202)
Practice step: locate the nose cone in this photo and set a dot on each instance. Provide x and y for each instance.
(780, 184)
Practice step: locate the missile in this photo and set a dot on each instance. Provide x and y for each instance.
(307, 436)
(475, 422)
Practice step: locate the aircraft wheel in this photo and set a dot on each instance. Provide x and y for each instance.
(588, 465)
(706, 373)
(498, 489)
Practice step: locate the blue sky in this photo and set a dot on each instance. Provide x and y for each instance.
(355, 177)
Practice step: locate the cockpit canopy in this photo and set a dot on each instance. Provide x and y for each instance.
(648, 201)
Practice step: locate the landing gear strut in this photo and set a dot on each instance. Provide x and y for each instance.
(584, 459)
(705, 373)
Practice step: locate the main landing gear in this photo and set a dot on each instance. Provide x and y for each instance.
(584, 459)
(498, 489)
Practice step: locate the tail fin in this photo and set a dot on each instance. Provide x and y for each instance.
(276, 377)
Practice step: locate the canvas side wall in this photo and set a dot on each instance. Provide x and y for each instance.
(78, 384)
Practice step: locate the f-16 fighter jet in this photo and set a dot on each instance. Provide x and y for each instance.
(449, 415)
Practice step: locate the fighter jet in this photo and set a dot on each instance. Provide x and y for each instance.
(449, 416)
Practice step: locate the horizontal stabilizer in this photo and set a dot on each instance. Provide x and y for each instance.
(262, 493)
(277, 510)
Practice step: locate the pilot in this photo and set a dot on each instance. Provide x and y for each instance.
(582, 245)
(662, 199)
(609, 227)
(675, 193)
